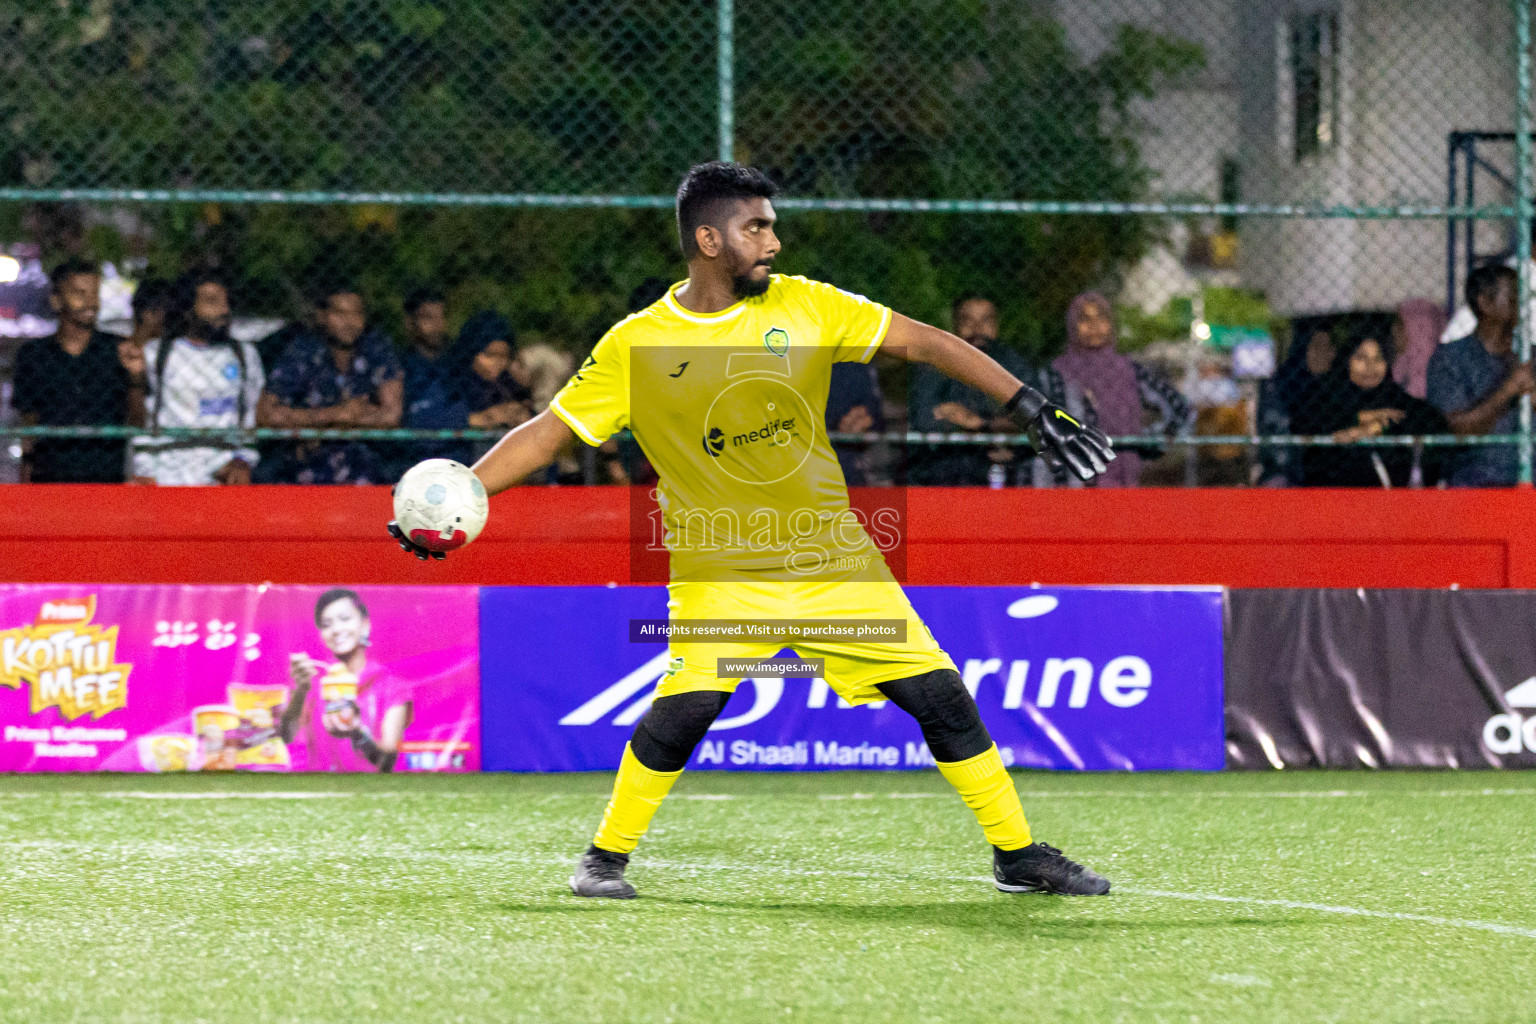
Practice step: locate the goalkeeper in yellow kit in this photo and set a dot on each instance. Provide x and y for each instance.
(723, 383)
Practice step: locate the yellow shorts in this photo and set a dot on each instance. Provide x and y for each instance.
(852, 668)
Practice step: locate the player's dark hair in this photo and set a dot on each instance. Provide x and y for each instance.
(1359, 335)
(152, 293)
(420, 297)
(71, 268)
(181, 297)
(335, 594)
(188, 283)
(1485, 279)
(707, 193)
(954, 307)
(330, 289)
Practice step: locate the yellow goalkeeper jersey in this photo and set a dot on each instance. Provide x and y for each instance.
(730, 409)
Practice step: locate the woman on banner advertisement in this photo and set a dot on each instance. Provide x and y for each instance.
(355, 718)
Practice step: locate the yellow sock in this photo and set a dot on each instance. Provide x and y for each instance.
(637, 792)
(984, 785)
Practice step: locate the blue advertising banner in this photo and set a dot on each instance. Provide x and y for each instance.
(1088, 678)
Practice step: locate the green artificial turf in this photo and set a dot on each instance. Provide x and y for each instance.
(766, 897)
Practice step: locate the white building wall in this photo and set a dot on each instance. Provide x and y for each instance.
(1410, 71)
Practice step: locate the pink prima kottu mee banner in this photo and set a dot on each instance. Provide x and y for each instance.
(252, 678)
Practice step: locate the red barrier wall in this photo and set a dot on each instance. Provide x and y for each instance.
(1240, 538)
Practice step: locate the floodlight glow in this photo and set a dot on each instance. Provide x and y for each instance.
(10, 269)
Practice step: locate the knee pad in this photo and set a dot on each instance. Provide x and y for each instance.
(664, 739)
(945, 711)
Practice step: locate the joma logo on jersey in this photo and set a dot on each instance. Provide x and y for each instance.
(776, 340)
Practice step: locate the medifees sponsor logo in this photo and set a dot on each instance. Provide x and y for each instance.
(1512, 732)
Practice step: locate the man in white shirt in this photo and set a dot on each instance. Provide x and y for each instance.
(200, 378)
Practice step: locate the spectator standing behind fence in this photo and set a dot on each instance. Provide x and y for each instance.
(939, 404)
(76, 377)
(1415, 337)
(1278, 399)
(1464, 322)
(1121, 390)
(151, 303)
(428, 378)
(1477, 381)
(854, 406)
(199, 376)
(482, 387)
(1358, 399)
(344, 375)
(543, 370)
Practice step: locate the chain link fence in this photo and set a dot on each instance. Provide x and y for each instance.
(1280, 203)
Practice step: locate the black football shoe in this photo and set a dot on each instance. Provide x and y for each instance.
(601, 873)
(1041, 868)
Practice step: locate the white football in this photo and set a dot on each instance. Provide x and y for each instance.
(440, 504)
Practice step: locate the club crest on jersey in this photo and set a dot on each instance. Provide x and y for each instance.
(776, 340)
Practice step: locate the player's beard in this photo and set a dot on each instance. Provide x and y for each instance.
(743, 285)
(214, 332)
(80, 317)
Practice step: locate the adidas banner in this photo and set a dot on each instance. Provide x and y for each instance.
(1381, 679)
(1079, 678)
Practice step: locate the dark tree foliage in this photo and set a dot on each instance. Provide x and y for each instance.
(956, 99)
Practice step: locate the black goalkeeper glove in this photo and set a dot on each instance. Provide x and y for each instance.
(1058, 437)
(406, 544)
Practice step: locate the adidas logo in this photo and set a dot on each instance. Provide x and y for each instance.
(1512, 732)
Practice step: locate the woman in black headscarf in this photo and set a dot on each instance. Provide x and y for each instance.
(1356, 399)
(1308, 359)
(481, 378)
(483, 365)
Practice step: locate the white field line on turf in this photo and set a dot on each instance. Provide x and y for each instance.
(1302, 794)
(266, 795)
(181, 849)
(1325, 908)
(1042, 794)
(1328, 908)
